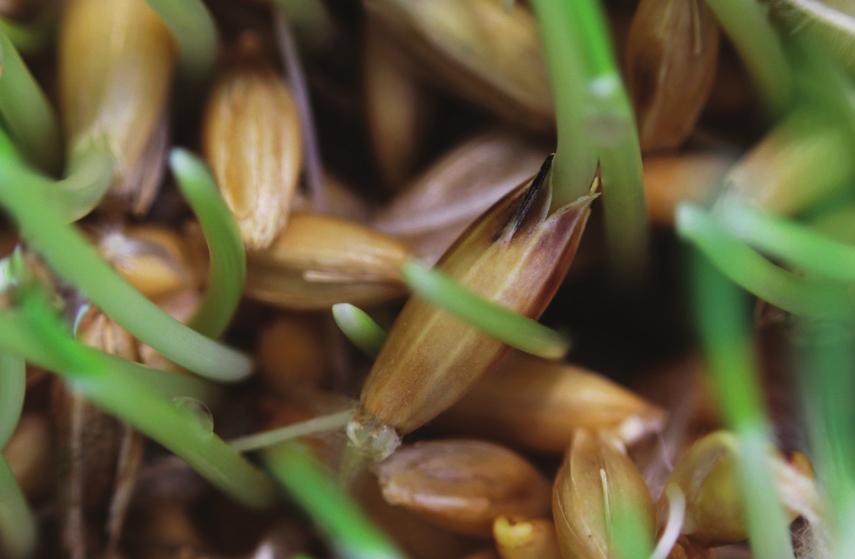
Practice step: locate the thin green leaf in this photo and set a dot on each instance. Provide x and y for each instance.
(785, 239)
(495, 320)
(227, 274)
(123, 395)
(800, 296)
(42, 223)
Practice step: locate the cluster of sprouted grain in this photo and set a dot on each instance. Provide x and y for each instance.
(273, 273)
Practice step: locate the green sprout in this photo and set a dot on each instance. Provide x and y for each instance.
(352, 534)
(595, 122)
(25, 111)
(359, 328)
(747, 24)
(227, 273)
(802, 296)
(135, 402)
(17, 526)
(273, 437)
(41, 221)
(727, 345)
(491, 318)
(195, 33)
(795, 244)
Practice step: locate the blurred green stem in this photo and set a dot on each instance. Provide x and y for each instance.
(17, 525)
(194, 31)
(828, 386)
(26, 111)
(747, 25)
(134, 402)
(795, 244)
(737, 261)
(352, 534)
(227, 272)
(727, 344)
(29, 38)
(13, 384)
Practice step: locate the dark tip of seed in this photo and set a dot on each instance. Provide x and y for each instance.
(529, 198)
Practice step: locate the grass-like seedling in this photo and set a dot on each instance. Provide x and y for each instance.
(42, 222)
(134, 401)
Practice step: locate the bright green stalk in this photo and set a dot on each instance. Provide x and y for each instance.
(138, 405)
(493, 319)
(227, 272)
(795, 244)
(352, 534)
(595, 115)
(194, 31)
(28, 38)
(749, 28)
(17, 525)
(726, 341)
(42, 224)
(737, 261)
(13, 385)
(274, 437)
(575, 162)
(26, 111)
(359, 328)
